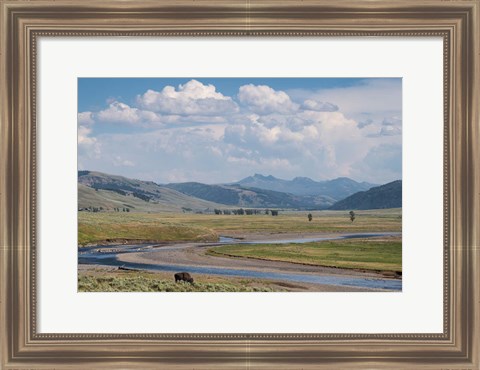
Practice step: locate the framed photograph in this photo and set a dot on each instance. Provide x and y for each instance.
(210, 213)
(240, 184)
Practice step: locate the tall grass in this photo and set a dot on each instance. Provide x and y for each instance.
(99, 227)
(366, 254)
(142, 283)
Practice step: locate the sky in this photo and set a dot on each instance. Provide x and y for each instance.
(220, 130)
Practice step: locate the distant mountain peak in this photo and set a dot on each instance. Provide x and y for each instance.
(263, 177)
(336, 189)
(303, 179)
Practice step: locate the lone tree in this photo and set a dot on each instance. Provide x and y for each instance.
(310, 217)
(352, 216)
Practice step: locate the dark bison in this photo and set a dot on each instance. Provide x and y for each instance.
(183, 276)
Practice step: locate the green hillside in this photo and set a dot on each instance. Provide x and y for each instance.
(97, 190)
(380, 197)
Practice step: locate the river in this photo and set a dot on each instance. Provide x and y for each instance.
(107, 255)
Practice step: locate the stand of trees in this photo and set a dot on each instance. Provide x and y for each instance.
(101, 209)
(242, 211)
(91, 209)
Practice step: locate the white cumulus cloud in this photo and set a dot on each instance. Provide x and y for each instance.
(88, 145)
(85, 118)
(190, 98)
(392, 121)
(390, 131)
(118, 112)
(319, 106)
(263, 99)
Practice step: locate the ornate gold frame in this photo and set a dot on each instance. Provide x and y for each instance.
(22, 22)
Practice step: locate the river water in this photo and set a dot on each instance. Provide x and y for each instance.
(107, 255)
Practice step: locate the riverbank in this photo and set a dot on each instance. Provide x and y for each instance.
(302, 256)
(195, 259)
(381, 255)
(95, 278)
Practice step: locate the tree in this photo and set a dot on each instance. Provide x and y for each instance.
(352, 216)
(310, 217)
(274, 213)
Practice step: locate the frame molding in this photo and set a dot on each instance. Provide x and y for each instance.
(22, 22)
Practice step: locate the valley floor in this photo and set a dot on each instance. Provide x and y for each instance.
(301, 262)
(238, 272)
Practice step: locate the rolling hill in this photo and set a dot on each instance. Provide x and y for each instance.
(380, 197)
(235, 195)
(96, 189)
(337, 188)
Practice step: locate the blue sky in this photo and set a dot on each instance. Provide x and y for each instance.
(216, 130)
(93, 92)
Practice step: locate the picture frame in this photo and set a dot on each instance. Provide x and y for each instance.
(24, 22)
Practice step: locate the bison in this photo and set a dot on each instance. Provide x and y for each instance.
(183, 276)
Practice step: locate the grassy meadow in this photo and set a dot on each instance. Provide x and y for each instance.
(101, 226)
(383, 254)
(104, 226)
(135, 281)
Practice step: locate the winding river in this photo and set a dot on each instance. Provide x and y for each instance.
(108, 255)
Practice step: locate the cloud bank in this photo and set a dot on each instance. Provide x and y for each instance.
(194, 132)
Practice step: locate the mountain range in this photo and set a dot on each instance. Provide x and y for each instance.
(100, 190)
(337, 189)
(236, 195)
